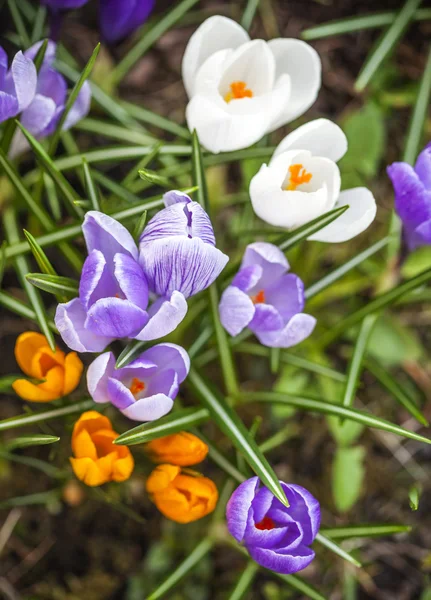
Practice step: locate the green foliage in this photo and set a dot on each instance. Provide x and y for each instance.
(348, 476)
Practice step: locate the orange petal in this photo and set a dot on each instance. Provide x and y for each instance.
(91, 421)
(106, 465)
(54, 379)
(123, 468)
(73, 368)
(88, 471)
(26, 346)
(33, 393)
(161, 478)
(45, 359)
(83, 446)
(183, 449)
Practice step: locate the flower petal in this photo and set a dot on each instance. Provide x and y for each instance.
(280, 561)
(73, 368)
(131, 280)
(115, 317)
(304, 508)
(97, 376)
(360, 214)
(24, 78)
(168, 356)
(175, 197)
(39, 115)
(271, 259)
(236, 310)
(119, 18)
(412, 199)
(149, 409)
(26, 346)
(51, 47)
(119, 394)
(253, 63)
(8, 106)
(104, 233)
(421, 236)
(32, 392)
(248, 277)
(266, 318)
(70, 322)
(238, 507)
(297, 329)
(423, 167)
(80, 108)
(96, 281)
(165, 316)
(286, 295)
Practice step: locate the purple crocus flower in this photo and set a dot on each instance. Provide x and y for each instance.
(17, 85)
(276, 537)
(146, 388)
(412, 188)
(267, 299)
(113, 293)
(64, 4)
(177, 248)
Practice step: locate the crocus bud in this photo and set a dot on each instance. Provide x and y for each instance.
(180, 497)
(59, 372)
(182, 449)
(96, 459)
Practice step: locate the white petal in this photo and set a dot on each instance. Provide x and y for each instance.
(302, 63)
(355, 220)
(216, 33)
(321, 137)
(283, 208)
(252, 63)
(209, 74)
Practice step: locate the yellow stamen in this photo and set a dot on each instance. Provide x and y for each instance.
(137, 386)
(259, 298)
(238, 89)
(298, 175)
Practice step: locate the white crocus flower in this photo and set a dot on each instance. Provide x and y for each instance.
(302, 182)
(239, 89)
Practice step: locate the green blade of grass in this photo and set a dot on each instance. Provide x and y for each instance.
(363, 531)
(336, 549)
(303, 232)
(336, 410)
(38, 439)
(249, 13)
(199, 172)
(245, 581)
(386, 43)
(54, 284)
(221, 461)
(300, 585)
(46, 415)
(116, 132)
(232, 426)
(154, 178)
(130, 352)
(91, 188)
(155, 120)
(40, 256)
(34, 463)
(21, 309)
(39, 24)
(19, 23)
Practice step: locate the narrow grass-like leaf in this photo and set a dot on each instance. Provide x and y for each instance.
(302, 233)
(232, 426)
(11, 230)
(19, 23)
(327, 408)
(40, 55)
(21, 309)
(43, 498)
(38, 439)
(39, 23)
(154, 178)
(221, 461)
(91, 188)
(363, 531)
(394, 388)
(201, 550)
(386, 43)
(414, 496)
(40, 256)
(150, 37)
(2, 260)
(46, 415)
(115, 132)
(199, 172)
(300, 585)
(143, 163)
(119, 191)
(245, 581)
(54, 284)
(355, 365)
(155, 120)
(180, 420)
(140, 226)
(130, 352)
(336, 549)
(248, 14)
(34, 463)
(377, 304)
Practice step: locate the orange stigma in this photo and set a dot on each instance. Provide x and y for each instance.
(298, 175)
(259, 298)
(265, 524)
(137, 386)
(238, 90)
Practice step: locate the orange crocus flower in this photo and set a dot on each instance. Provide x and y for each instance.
(181, 497)
(182, 449)
(60, 373)
(96, 459)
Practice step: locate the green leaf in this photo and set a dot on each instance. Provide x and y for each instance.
(44, 498)
(347, 476)
(140, 226)
(221, 461)
(201, 550)
(180, 420)
(91, 188)
(245, 581)
(300, 585)
(46, 415)
(336, 549)
(147, 116)
(232, 426)
(416, 262)
(414, 496)
(6, 383)
(19, 23)
(327, 408)
(248, 14)
(54, 284)
(364, 531)
(40, 55)
(24, 441)
(199, 172)
(392, 343)
(40, 256)
(154, 178)
(21, 309)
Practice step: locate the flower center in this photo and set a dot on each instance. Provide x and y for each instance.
(265, 524)
(137, 386)
(298, 175)
(259, 298)
(238, 90)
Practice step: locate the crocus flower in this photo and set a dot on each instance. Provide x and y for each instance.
(277, 537)
(177, 248)
(302, 182)
(412, 186)
(96, 459)
(266, 298)
(182, 449)
(239, 89)
(58, 372)
(113, 293)
(181, 497)
(17, 85)
(146, 388)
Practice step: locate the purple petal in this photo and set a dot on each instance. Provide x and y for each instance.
(149, 409)
(412, 199)
(421, 236)
(80, 108)
(24, 77)
(423, 167)
(104, 233)
(119, 394)
(50, 51)
(115, 317)
(266, 318)
(181, 264)
(303, 508)
(272, 260)
(262, 503)
(236, 310)
(287, 536)
(165, 382)
(238, 507)
(131, 280)
(70, 322)
(174, 197)
(169, 356)
(287, 296)
(297, 329)
(248, 278)
(119, 18)
(64, 4)
(39, 115)
(8, 106)
(165, 316)
(281, 562)
(96, 280)
(97, 376)
(3, 66)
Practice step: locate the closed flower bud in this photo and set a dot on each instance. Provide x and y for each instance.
(182, 449)
(97, 459)
(180, 497)
(58, 372)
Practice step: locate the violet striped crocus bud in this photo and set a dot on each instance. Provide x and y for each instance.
(17, 84)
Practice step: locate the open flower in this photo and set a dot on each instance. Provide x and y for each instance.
(266, 298)
(182, 449)
(239, 89)
(146, 388)
(412, 188)
(302, 182)
(17, 85)
(276, 537)
(58, 372)
(180, 497)
(177, 248)
(113, 293)
(97, 459)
